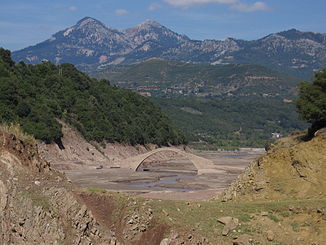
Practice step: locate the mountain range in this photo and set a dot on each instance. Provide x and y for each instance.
(91, 46)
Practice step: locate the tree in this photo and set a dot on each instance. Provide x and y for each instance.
(311, 104)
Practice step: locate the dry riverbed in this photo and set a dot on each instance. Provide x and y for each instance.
(170, 179)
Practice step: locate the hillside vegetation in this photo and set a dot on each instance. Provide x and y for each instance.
(225, 106)
(229, 122)
(166, 78)
(36, 95)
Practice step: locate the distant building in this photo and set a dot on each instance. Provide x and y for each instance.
(147, 94)
(276, 135)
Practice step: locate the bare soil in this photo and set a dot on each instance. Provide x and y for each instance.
(202, 187)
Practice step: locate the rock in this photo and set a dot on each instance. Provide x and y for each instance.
(165, 241)
(229, 222)
(242, 240)
(165, 212)
(270, 235)
(143, 228)
(264, 213)
(113, 241)
(174, 236)
(225, 220)
(225, 231)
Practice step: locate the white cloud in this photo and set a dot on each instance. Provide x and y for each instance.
(189, 3)
(154, 6)
(234, 4)
(120, 12)
(257, 6)
(72, 8)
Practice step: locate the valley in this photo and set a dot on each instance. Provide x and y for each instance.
(176, 177)
(144, 136)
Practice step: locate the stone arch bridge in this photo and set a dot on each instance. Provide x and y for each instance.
(203, 165)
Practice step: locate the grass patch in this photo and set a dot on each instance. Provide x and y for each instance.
(95, 190)
(274, 218)
(245, 217)
(16, 130)
(295, 226)
(201, 217)
(285, 214)
(39, 200)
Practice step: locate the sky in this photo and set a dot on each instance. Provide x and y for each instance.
(28, 22)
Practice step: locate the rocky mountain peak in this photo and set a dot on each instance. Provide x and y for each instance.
(294, 34)
(150, 23)
(89, 24)
(91, 43)
(87, 20)
(85, 27)
(151, 31)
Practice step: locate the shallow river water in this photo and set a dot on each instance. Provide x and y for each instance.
(166, 183)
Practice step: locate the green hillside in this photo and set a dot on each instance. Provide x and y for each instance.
(171, 79)
(227, 106)
(36, 95)
(231, 122)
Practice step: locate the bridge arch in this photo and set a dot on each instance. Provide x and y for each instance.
(202, 165)
(175, 150)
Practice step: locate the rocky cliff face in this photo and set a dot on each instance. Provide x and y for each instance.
(36, 202)
(91, 45)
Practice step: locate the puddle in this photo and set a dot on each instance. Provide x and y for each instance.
(236, 155)
(166, 183)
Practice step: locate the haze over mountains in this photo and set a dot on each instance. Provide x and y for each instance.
(91, 45)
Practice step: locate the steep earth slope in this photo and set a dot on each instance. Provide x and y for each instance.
(291, 169)
(77, 153)
(36, 202)
(90, 45)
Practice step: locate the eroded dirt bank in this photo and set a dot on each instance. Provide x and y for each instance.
(76, 153)
(36, 202)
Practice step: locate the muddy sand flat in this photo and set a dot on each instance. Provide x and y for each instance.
(170, 179)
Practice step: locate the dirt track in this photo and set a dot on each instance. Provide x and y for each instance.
(203, 187)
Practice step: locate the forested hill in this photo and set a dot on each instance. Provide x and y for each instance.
(35, 96)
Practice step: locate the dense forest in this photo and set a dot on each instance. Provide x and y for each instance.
(35, 96)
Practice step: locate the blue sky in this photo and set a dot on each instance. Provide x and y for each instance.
(27, 22)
